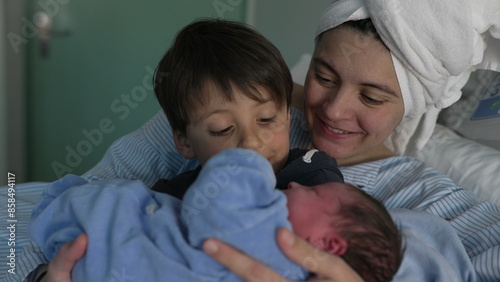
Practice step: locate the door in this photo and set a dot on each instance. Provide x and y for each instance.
(89, 74)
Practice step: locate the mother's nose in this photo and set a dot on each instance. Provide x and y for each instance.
(340, 104)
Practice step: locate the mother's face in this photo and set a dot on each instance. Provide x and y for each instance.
(352, 97)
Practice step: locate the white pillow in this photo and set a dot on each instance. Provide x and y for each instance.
(469, 164)
(476, 115)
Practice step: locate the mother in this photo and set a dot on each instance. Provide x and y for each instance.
(368, 95)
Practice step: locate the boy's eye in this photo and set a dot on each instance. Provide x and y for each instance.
(223, 132)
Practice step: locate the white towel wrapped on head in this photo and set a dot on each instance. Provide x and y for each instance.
(435, 45)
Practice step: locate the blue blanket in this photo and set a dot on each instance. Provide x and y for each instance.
(136, 233)
(433, 251)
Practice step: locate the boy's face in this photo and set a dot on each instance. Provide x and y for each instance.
(220, 124)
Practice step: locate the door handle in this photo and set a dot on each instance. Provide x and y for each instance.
(45, 33)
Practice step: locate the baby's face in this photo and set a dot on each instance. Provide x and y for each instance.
(220, 124)
(314, 210)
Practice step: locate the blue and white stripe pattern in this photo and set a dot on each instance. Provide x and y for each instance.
(27, 195)
(399, 182)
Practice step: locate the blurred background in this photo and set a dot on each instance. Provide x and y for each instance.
(76, 75)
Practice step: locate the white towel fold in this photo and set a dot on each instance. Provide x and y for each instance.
(435, 45)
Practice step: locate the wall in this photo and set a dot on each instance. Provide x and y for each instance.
(289, 24)
(3, 100)
(94, 85)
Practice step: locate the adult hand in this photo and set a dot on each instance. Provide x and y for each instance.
(59, 269)
(324, 266)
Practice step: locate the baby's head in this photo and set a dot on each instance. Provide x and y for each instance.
(223, 85)
(343, 220)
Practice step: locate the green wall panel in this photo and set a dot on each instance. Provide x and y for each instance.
(95, 84)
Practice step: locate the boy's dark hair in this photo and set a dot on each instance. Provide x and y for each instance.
(225, 53)
(374, 242)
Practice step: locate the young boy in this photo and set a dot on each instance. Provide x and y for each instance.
(222, 85)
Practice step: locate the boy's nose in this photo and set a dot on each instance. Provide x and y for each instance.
(252, 143)
(252, 139)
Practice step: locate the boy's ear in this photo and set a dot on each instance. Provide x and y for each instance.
(332, 243)
(182, 145)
